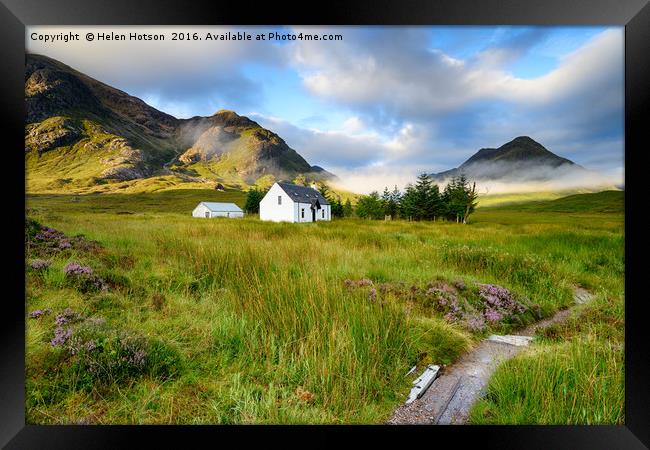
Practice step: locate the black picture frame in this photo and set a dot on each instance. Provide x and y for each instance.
(633, 14)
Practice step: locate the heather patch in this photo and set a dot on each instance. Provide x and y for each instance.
(358, 283)
(42, 240)
(482, 307)
(477, 308)
(38, 313)
(91, 353)
(83, 278)
(38, 265)
(499, 304)
(63, 330)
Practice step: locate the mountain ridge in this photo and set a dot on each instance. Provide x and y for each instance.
(81, 132)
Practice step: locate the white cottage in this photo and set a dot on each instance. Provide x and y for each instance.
(286, 202)
(213, 209)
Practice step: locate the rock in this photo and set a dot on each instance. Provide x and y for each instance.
(422, 383)
(122, 173)
(50, 134)
(519, 341)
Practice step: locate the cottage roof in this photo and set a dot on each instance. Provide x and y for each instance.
(302, 194)
(218, 207)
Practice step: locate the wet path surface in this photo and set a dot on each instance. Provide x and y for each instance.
(452, 394)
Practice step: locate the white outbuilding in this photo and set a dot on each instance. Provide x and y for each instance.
(213, 209)
(286, 202)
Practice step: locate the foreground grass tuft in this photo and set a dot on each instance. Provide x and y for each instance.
(575, 382)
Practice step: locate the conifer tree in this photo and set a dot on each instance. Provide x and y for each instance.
(348, 211)
(253, 199)
(390, 202)
(408, 204)
(370, 206)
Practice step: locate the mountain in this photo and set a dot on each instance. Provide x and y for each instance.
(520, 159)
(229, 143)
(81, 132)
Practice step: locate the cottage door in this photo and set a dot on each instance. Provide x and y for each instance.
(313, 214)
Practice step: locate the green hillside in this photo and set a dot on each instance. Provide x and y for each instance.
(177, 201)
(83, 136)
(601, 202)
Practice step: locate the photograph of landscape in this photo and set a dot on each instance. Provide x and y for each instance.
(324, 225)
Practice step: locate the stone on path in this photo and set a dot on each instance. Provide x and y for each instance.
(519, 341)
(581, 295)
(422, 383)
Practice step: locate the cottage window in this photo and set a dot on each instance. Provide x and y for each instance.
(322, 213)
(279, 199)
(302, 213)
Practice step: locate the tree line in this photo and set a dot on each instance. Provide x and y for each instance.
(420, 201)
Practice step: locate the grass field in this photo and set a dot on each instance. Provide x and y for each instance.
(243, 321)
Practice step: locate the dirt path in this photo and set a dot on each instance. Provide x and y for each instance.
(452, 394)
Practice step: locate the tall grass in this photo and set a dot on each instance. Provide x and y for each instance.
(260, 315)
(576, 382)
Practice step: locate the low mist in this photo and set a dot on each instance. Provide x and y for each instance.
(204, 137)
(514, 180)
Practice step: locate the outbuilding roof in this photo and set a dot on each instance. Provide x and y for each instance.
(302, 194)
(218, 207)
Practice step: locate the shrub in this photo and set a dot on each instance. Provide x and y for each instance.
(39, 264)
(476, 309)
(38, 313)
(91, 352)
(61, 334)
(499, 304)
(46, 241)
(83, 278)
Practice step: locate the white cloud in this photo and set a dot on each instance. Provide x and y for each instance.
(329, 149)
(375, 178)
(353, 125)
(594, 65)
(412, 80)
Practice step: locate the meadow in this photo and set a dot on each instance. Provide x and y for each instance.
(199, 321)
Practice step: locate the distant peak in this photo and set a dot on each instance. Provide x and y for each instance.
(226, 112)
(227, 117)
(512, 159)
(524, 139)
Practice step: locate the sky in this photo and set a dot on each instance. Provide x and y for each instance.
(383, 103)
